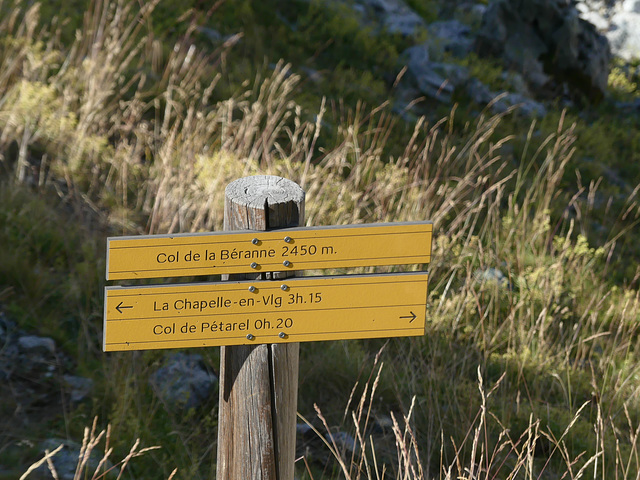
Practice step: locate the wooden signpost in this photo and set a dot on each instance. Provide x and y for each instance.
(259, 313)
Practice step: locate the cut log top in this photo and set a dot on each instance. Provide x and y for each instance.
(263, 202)
(255, 191)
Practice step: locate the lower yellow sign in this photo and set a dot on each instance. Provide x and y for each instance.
(251, 312)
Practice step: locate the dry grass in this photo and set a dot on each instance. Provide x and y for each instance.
(479, 454)
(119, 122)
(104, 468)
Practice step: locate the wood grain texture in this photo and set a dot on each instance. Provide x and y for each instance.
(259, 384)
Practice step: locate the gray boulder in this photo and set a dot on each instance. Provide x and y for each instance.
(390, 16)
(395, 16)
(34, 345)
(470, 13)
(500, 102)
(183, 382)
(78, 388)
(345, 442)
(549, 44)
(449, 36)
(435, 80)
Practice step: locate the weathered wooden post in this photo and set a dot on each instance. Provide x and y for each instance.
(259, 383)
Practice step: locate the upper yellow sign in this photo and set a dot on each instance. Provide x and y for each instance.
(242, 313)
(305, 248)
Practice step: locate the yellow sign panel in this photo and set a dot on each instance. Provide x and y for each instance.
(244, 313)
(155, 256)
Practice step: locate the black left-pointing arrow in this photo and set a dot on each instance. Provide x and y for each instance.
(121, 306)
(413, 316)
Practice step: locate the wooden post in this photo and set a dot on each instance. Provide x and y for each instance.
(259, 383)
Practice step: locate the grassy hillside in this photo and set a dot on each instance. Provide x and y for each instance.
(124, 121)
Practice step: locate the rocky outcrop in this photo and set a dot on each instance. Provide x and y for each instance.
(500, 102)
(619, 21)
(432, 79)
(440, 80)
(34, 373)
(450, 36)
(549, 44)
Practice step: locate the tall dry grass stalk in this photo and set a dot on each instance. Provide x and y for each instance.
(478, 455)
(104, 468)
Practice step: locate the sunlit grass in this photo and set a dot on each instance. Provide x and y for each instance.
(529, 368)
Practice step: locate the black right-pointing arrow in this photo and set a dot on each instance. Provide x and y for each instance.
(120, 307)
(413, 316)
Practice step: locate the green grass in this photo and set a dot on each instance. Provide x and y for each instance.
(136, 123)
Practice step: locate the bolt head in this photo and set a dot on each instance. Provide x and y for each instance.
(252, 289)
(250, 337)
(286, 263)
(282, 335)
(254, 265)
(284, 287)
(255, 241)
(288, 239)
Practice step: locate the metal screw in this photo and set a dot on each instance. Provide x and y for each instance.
(252, 289)
(286, 263)
(255, 241)
(287, 239)
(284, 287)
(253, 265)
(250, 337)
(282, 335)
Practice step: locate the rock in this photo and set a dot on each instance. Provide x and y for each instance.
(470, 14)
(304, 430)
(390, 16)
(631, 6)
(517, 83)
(212, 34)
(34, 345)
(525, 106)
(396, 16)
(624, 35)
(343, 441)
(450, 36)
(420, 73)
(66, 460)
(79, 388)
(314, 75)
(479, 92)
(549, 44)
(454, 75)
(491, 275)
(597, 20)
(183, 382)
(500, 102)
(434, 79)
(383, 424)
(618, 21)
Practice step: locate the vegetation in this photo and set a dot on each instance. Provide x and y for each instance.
(136, 123)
